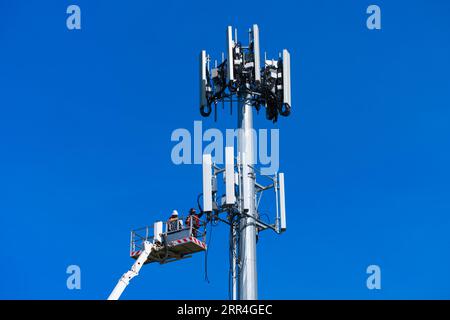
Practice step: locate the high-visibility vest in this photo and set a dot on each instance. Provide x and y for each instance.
(196, 221)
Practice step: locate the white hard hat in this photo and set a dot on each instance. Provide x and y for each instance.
(175, 213)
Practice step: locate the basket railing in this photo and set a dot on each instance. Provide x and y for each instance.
(193, 223)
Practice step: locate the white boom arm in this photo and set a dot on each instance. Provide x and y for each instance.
(133, 272)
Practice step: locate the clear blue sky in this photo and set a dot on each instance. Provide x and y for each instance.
(85, 124)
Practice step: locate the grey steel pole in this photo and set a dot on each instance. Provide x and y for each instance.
(248, 277)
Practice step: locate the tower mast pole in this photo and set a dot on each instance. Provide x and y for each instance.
(241, 77)
(248, 277)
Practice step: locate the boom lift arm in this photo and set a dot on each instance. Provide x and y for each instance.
(133, 272)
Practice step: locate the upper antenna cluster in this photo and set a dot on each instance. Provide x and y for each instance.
(240, 75)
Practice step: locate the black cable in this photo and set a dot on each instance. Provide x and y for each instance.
(205, 113)
(206, 255)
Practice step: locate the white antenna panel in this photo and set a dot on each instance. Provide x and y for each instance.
(207, 183)
(256, 53)
(203, 80)
(286, 77)
(229, 176)
(230, 57)
(282, 203)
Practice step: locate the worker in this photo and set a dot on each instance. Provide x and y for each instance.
(195, 218)
(174, 224)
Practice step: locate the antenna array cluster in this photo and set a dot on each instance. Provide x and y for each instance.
(241, 73)
(234, 175)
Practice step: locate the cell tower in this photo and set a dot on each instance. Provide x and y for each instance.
(240, 79)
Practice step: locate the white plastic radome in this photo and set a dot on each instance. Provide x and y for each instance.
(282, 202)
(286, 77)
(230, 56)
(207, 183)
(203, 80)
(229, 176)
(256, 52)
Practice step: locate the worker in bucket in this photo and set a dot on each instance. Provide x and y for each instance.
(195, 219)
(174, 224)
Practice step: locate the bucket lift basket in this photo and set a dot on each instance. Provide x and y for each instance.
(178, 243)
